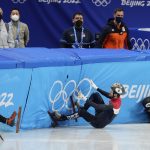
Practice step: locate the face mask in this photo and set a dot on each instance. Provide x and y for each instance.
(119, 19)
(78, 23)
(15, 17)
(1, 16)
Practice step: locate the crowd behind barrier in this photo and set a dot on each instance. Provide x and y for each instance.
(41, 79)
(42, 16)
(139, 37)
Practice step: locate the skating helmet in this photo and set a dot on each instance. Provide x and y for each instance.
(146, 103)
(118, 88)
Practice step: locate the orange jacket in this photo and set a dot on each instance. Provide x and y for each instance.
(114, 37)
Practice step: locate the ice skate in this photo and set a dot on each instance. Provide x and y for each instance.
(11, 120)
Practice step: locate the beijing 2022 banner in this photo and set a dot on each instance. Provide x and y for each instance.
(52, 87)
(47, 19)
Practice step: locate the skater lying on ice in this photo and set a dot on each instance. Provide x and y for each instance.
(104, 113)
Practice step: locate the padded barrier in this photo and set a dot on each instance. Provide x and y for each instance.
(45, 78)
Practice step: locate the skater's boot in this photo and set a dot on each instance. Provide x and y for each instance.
(11, 120)
(57, 115)
(60, 117)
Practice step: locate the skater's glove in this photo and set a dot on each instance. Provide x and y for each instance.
(93, 85)
(81, 96)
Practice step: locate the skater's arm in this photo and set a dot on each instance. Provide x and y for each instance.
(106, 94)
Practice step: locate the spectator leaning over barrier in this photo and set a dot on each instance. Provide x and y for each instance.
(6, 37)
(104, 113)
(115, 34)
(9, 121)
(19, 29)
(77, 36)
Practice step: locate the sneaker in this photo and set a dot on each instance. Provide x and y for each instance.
(11, 121)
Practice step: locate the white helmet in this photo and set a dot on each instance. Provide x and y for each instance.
(118, 89)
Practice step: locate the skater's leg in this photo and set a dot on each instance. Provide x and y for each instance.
(3, 119)
(96, 98)
(81, 113)
(67, 117)
(86, 115)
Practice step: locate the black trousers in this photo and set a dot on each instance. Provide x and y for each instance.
(2, 119)
(103, 113)
(95, 100)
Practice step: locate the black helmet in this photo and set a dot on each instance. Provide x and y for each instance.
(146, 102)
(118, 88)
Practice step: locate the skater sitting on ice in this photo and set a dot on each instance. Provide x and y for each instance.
(104, 113)
(9, 121)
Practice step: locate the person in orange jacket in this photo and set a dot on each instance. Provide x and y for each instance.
(115, 34)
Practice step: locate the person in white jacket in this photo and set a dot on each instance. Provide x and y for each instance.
(19, 29)
(6, 37)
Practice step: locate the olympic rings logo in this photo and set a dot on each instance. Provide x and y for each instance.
(18, 1)
(60, 93)
(103, 3)
(140, 44)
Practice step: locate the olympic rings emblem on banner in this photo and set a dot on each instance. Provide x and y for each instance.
(62, 94)
(140, 44)
(102, 3)
(18, 1)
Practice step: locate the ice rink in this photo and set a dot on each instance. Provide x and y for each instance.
(112, 137)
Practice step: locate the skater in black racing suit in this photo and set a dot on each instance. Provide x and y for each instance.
(104, 113)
